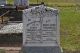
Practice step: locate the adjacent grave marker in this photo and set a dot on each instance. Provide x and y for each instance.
(3, 2)
(41, 30)
(21, 2)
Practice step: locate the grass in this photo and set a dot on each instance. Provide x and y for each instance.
(70, 28)
(2, 51)
(70, 23)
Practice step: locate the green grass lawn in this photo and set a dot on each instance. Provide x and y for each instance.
(70, 24)
(70, 28)
(2, 51)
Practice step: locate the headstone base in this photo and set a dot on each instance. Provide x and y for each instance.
(39, 49)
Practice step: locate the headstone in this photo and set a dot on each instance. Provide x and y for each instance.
(21, 2)
(2, 2)
(41, 30)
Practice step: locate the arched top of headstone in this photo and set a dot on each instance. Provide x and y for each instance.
(40, 8)
(40, 11)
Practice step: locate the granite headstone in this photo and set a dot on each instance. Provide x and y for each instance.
(41, 30)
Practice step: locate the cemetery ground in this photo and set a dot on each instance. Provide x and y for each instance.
(69, 15)
(70, 29)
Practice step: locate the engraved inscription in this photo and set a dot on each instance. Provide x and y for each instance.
(41, 24)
